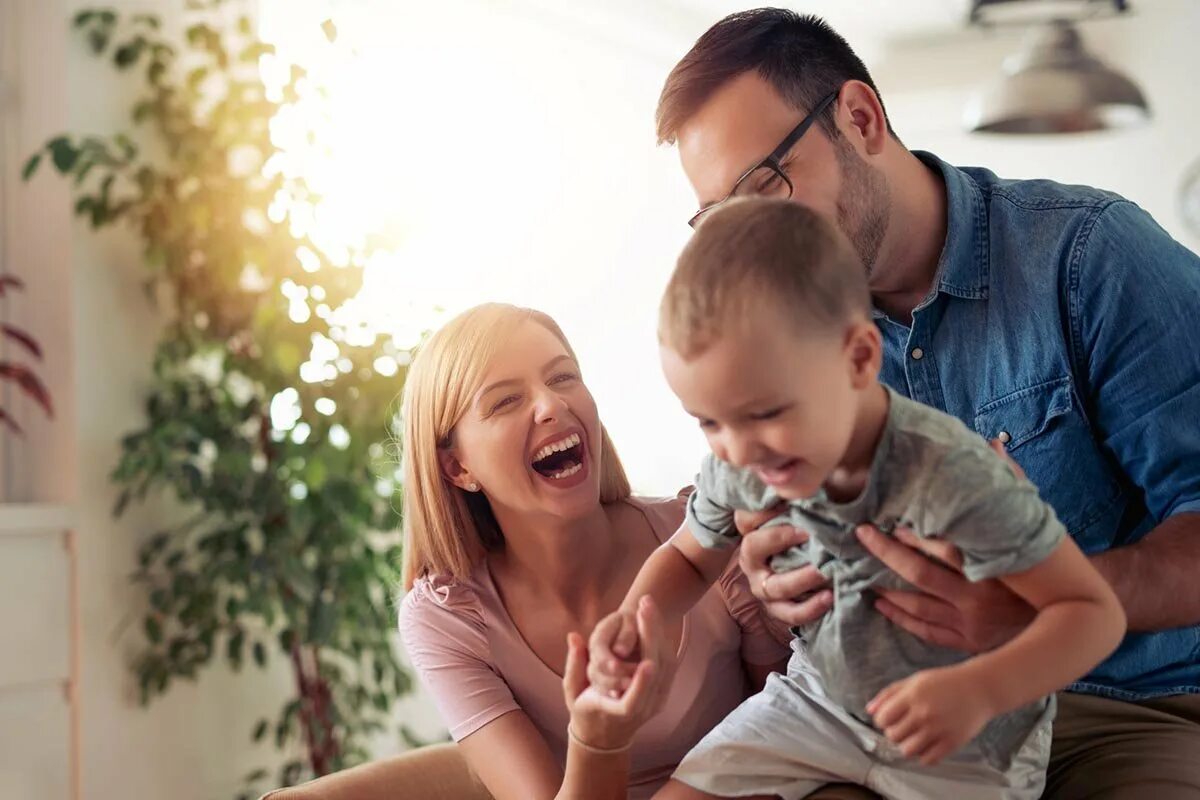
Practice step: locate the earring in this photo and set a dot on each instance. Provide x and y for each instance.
(473, 487)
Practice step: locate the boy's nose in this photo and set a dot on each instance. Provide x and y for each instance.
(741, 451)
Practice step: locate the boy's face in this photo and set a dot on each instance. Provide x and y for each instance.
(777, 401)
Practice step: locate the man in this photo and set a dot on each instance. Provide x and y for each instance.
(1057, 320)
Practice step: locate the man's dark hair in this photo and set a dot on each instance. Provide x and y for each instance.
(798, 54)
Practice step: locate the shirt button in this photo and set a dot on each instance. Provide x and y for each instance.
(1004, 437)
(918, 354)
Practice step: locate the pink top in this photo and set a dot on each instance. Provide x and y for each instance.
(475, 663)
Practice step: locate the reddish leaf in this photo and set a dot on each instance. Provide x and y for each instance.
(24, 338)
(7, 281)
(11, 423)
(24, 378)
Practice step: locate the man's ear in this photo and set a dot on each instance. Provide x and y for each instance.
(862, 117)
(864, 350)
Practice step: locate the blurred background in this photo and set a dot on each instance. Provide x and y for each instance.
(208, 325)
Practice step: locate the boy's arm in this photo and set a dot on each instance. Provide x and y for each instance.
(678, 574)
(1079, 623)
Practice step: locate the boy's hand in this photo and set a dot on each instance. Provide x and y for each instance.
(613, 653)
(931, 714)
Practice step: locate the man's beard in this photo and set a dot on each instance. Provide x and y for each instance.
(863, 205)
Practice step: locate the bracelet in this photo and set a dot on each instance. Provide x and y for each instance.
(600, 751)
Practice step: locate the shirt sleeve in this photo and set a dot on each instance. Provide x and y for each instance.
(765, 640)
(997, 521)
(1136, 298)
(709, 514)
(443, 633)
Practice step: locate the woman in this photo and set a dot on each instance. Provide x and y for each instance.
(520, 530)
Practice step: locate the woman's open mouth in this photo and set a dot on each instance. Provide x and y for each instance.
(561, 459)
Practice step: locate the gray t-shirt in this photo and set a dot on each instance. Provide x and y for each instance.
(929, 473)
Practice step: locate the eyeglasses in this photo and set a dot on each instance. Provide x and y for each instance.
(767, 178)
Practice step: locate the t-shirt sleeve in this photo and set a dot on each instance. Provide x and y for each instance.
(765, 640)
(710, 507)
(443, 633)
(996, 520)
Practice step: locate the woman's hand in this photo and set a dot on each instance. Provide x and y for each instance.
(605, 722)
(796, 597)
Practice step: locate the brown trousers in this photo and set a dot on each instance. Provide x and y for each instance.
(1103, 750)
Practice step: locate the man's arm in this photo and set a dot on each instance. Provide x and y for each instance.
(1155, 577)
(1135, 300)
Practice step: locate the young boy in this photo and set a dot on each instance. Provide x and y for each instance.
(766, 338)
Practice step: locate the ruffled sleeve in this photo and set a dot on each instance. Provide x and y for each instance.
(443, 630)
(765, 640)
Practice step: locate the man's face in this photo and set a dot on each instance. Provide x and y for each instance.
(744, 121)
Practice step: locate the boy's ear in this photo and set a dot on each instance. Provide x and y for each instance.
(864, 353)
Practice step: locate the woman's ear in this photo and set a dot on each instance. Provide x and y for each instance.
(454, 471)
(864, 353)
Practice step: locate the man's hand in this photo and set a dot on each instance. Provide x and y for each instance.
(949, 610)
(931, 714)
(797, 597)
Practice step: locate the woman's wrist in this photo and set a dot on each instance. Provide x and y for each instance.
(594, 736)
(595, 749)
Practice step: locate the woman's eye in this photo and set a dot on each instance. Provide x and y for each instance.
(563, 377)
(504, 402)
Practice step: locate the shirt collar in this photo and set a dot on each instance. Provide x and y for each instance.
(963, 267)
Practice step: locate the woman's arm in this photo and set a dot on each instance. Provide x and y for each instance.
(513, 761)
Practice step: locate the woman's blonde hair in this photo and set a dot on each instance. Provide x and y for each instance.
(446, 530)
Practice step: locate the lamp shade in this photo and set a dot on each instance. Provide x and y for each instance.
(1054, 85)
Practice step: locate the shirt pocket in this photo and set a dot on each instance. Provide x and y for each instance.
(1045, 431)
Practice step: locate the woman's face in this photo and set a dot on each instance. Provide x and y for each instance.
(530, 438)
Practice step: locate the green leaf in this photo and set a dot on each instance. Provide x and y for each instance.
(63, 153)
(98, 39)
(260, 654)
(322, 623)
(160, 599)
(244, 26)
(31, 166)
(260, 730)
(330, 30)
(153, 630)
(82, 18)
(128, 54)
(107, 16)
(255, 51)
(233, 648)
(149, 20)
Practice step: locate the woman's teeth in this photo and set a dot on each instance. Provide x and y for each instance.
(556, 447)
(566, 473)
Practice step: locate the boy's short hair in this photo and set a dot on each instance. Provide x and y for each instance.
(754, 251)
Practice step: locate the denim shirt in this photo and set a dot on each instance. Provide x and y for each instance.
(1066, 322)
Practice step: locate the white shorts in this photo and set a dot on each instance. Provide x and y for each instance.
(790, 739)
